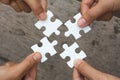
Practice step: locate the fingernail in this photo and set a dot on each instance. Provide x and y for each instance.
(77, 62)
(43, 16)
(37, 56)
(82, 22)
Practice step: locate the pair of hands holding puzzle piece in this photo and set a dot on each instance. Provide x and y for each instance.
(90, 9)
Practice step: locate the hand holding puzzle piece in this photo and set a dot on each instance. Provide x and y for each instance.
(52, 27)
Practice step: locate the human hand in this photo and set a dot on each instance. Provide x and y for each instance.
(26, 70)
(97, 10)
(37, 6)
(83, 71)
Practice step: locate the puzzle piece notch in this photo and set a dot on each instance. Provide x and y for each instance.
(50, 27)
(70, 52)
(74, 29)
(46, 47)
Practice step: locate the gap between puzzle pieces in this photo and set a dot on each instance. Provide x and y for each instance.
(48, 47)
(52, 27)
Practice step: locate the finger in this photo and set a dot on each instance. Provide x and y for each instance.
(28, 63)
(87, 71)
(9, 64)
(92, 14)
(76, 75)
(36, 7)
(14, 5)
(31, 75)
(86, 5)
(44, 5)
(43, 15)
(23, 6)
(5, 1)
(106, 17)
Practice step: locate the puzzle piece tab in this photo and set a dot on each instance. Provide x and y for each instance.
(74, 29)
(50, 27)
(70, 52)
(46, 47)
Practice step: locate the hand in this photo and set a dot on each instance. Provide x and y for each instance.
(97, 9)
(37, 6)
(26, 70)
(83, 71)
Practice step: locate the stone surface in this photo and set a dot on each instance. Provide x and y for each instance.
(18, 34)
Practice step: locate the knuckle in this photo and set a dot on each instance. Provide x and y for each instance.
(90, 16)
(82, 67)
(9, 64)
(82, 64)
(30, 62)
(5, 1)
(13, 4)
(105, 17)
(27, 11)
(37, 11)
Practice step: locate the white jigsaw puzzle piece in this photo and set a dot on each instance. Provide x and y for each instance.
(74, 29)
(46, 47)
(50, 27)
(70, 52)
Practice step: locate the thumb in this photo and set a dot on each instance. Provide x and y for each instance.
(43, 15)
(29, 62)
(87, 71)
(92, 14)
(37, 8)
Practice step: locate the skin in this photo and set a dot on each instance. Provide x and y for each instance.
(97, 10)
(26, 70)
(83, 71)
(91, 10)
(37, 6)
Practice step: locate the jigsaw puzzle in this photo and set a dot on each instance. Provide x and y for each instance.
(70, 52)
(74, 29)
(46, 47)
(50, 27)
